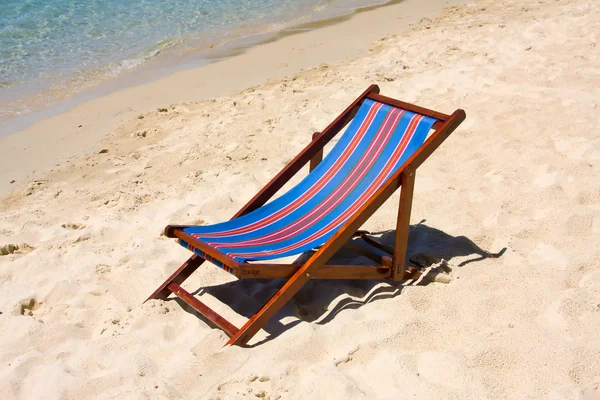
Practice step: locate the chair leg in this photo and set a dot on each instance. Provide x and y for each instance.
(283, 295)
(403, 223)
(178, 277)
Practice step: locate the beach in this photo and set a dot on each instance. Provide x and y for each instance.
(87, 192)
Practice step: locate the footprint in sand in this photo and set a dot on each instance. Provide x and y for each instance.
(540, 253)
(102, 269)
(580, 225)
(574, 304)
(590, 282)
(72, 226)
(254, 387)
(8, 249)
(35, 186)
(26, 307)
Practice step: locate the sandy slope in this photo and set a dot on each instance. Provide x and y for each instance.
(523, 172)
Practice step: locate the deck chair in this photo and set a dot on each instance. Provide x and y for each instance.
(385, 142)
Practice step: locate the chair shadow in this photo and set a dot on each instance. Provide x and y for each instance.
(320, 301)
(427, 245)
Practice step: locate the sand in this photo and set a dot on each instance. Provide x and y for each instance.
(522, 173)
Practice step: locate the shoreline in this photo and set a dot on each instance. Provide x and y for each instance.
(167, 61)
(56, 136)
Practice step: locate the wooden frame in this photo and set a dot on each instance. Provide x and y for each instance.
(390, 262)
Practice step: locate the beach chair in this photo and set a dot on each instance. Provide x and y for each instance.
(385, 142)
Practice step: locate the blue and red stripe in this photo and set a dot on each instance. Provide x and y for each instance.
(342, 190)
(376, 143)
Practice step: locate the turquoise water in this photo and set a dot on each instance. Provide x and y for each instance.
(60, 46)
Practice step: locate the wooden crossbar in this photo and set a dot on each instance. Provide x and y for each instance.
(441, 118)
(377, 245)
(179, 276)
(259, 271)
(203, 309)
(369, 251)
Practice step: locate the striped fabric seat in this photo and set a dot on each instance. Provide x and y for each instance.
(376, 143)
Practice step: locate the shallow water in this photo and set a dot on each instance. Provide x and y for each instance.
(50, 49)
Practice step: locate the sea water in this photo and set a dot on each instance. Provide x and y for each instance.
(50, 49)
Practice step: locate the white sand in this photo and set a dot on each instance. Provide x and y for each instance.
(522, 172)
